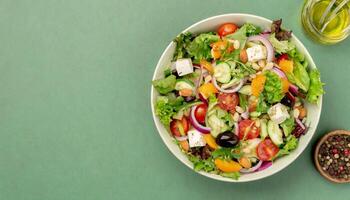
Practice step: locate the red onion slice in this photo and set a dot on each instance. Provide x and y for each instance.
(245, 115)
(279, 72)
(265, 165)
(300, 123)
(196, 124)
(233, 89)
(293, 89)
(252, 169)
(182, 138)
(200, 78)
(266, 43)
(236, 129)
(195, 65)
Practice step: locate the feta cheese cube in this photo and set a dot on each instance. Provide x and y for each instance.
(278, 113)
(184, 66)
(256, 52)
(195, 138)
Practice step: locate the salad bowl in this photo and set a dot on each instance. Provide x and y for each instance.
(212, 24)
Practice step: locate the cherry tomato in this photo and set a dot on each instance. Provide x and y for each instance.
(179, 127)
(200, 112)
(282, 57)
(266, 150)
(248, 129)
(226, 29)
(228, 101)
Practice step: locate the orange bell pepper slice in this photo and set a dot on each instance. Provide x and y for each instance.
(258, 84)
(286, 65)
(207, 65)
(227, 165)
(207, 89)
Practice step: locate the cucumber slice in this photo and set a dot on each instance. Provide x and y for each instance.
(275, 133)
(247, 90)
(232, 64)
(263, 124)
(184, 84)
(222, 72)
(233, 82)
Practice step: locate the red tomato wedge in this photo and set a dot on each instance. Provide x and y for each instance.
(226, 29)
(228, 101)
(179, 127)
(266, 150)
(200, 112)
(248, 130)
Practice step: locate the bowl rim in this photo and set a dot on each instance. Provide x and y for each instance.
(217, 177)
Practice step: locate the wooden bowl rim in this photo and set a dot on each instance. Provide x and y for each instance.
(320, 170)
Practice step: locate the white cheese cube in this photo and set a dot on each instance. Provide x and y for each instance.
(256, 52)
(278, 113)
(184, 66)
(195, 138)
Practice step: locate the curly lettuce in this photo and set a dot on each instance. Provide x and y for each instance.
(291, 144)
(252, 30)
(166, 85)
(164, 110)
(281, 46)
(167, 107)
(199, 48)
(288, 126)
(199, 164)
(273, 91)
(262, 106)
(182, 42)
(316, 86)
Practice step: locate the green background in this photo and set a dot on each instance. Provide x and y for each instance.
(75, 116)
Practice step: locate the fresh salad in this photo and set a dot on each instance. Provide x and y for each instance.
(234, 99)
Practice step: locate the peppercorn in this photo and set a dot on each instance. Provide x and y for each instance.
(334, 156)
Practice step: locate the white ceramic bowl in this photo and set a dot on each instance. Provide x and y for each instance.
(211, 24)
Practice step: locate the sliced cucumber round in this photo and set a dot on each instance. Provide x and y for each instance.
(275, 133)
(222, 72)
(263, 125)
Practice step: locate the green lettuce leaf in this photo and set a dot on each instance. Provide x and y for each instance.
(243, 101)
(225, 153)
(300, 76)
(252, 30)
(182, 42)
(233, 175)
(199, 164)
(316, 86)
(164, 110)
(281, 46)
(166, 85)
(273, 88)
(262, 107)
(296, 55)
(288, 126)
(291, 144)
(199, 48)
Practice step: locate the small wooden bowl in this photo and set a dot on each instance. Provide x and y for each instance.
(319, 168)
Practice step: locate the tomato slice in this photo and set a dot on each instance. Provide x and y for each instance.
(266, 150)
(248, 129)
(226, 29)
(179, 127)
(200, 112)
(228, 101)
